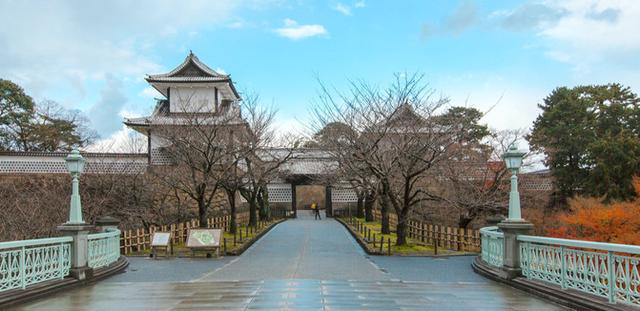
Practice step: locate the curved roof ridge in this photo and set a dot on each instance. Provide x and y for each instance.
(191, 58)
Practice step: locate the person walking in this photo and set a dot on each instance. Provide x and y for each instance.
(316, 210)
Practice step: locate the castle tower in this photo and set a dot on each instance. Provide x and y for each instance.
(191, 89)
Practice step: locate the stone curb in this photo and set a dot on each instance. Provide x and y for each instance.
(246, 246)
(41, 290)
(361, 242)
(565, 297)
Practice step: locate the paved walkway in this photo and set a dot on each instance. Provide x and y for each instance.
(301, 264)
(302, 249)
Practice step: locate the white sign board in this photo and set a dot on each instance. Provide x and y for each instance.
(205, 238)
(160, 239)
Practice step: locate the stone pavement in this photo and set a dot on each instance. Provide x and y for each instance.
(301, 264)
(302, 249)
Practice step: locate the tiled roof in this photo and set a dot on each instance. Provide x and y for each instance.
(192, 69)
(182, 119)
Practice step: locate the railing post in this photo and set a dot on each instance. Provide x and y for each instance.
(611, 277)
(23, 276)
(511, 251)
(563, 268)
(61, 260)
(79, 249)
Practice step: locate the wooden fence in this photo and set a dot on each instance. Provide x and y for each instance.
(452, 238)
(137, 240)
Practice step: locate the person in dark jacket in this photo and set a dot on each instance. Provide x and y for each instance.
(316, 210)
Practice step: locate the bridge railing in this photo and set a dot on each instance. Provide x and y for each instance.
(27, 262)
(492, 250)
(607, 270)
(104, 248)
(610, 271)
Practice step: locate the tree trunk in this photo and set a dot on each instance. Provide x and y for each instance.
(253, 213)
(202, 212)
(263, 203)
(233, 213)
(370, 198)
(360, 205)
(464, 221)
(401, 230)
(384, 211)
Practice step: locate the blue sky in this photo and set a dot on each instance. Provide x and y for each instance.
(509, 54)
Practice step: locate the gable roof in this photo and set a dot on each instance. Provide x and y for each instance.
(191, 69)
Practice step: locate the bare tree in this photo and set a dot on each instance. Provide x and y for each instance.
(202, 147)
(400, 138)
(475, 184)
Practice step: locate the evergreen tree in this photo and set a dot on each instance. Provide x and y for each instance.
(25, 126)
(590, 137)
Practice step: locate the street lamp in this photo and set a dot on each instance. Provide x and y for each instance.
(75, 165)
(513, 160)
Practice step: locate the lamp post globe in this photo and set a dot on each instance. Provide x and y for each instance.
(513, 158)
(513, 162)
(75, 165)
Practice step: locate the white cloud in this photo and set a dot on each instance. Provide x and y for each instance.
(342, 8)
(66, 40)
(104, 114)
(286, 128)
(221, 71)
(294, 31)
(124, 140)
(508, 103)
(595, 31)
(66, 48)
(595, 37)
(346, 10)
(150, 92)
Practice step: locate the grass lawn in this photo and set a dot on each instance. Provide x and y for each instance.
(413, 247)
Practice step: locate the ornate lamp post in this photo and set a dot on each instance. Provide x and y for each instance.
(513, 160)
(75, 165)
(76, 227)
(514, 225)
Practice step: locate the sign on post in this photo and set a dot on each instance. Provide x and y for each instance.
(161, 240)
(204, 239)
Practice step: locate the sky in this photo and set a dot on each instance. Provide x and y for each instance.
(502, 57)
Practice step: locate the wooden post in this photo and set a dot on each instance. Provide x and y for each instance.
(374, 240)
(381, 242)
(224, 245)
(389, 246)
(435, 240)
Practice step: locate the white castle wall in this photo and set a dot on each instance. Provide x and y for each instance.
(53, 163)
(193, 99)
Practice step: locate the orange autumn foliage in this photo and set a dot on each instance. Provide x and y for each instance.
(591, 219)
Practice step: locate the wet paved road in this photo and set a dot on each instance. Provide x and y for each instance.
(302, 249)
(301, 264)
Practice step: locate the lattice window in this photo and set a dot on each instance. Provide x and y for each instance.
(58, 166)
(343, 195)
(160, 157)
(35, 166)
(279, 193)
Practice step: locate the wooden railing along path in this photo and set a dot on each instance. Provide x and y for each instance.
(137, 240)
(452, 238)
